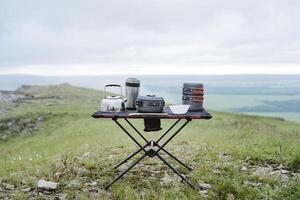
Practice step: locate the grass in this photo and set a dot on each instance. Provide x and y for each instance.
(238, 102)
(70, 142)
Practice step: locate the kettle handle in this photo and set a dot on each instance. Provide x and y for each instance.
(112, 85)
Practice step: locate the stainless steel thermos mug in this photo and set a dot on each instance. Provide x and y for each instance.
(132, 87)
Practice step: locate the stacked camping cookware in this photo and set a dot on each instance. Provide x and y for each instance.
(193, 95)
(192, 100)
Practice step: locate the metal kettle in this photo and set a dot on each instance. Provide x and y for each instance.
(112, 103)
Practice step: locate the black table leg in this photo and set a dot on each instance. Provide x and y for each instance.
(129, 157)
(156, 143)
(178, 173)
(124, 172)
(136, 130)
(152, 152)
(170, 138)
(135, 141)
(172, 156)
(173, 125)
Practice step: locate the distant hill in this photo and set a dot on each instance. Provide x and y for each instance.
(215, 84)
(47, 134)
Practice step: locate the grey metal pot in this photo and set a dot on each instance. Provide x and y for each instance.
(150, 104)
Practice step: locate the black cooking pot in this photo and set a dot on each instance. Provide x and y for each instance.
(150, 104)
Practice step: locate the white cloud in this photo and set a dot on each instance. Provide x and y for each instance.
(137, 35)
(179, 68)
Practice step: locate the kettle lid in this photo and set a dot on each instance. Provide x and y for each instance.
(114, 97)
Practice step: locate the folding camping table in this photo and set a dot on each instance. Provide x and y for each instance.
(152, 148)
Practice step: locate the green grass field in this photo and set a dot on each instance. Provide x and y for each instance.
(71, 145)
(230, 102)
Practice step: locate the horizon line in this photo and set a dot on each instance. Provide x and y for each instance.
(95, 75)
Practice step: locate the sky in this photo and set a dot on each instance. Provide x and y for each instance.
(98, 37)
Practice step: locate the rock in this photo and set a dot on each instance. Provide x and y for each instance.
(166, 180)
(244, 168)
(252, 183)
(8, 186)
(276, 172)
(203, 192)
(57, 175)
(204, 186)
(26, 189)
(93, 183)
(216, 172)
(41, 194)
(281, 166)
(86, 155)
(33, 193)
(40, 119)
(122, 167)
(223, 156)
(284, 177)
(230, 197)
(263, 170)
(3, 126)
(73, 184)
(46, 192)
(247, 158)
(82, 171)
(283, 171)
(47, 185)
(217, 166)
(61, 196)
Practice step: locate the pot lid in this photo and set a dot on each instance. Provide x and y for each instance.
(150, 98)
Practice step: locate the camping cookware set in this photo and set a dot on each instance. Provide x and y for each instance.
(192, 100)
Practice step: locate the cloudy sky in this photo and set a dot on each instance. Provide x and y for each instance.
(94, 37)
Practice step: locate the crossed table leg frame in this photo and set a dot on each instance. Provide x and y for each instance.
(152, 152)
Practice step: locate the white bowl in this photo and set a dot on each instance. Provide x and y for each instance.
(179, 109)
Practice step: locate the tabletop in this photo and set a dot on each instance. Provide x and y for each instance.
(167, 114)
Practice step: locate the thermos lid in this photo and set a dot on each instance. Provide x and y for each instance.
(132, 82)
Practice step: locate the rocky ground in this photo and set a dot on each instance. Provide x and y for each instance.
(19, 126)
(70, 176)
(10, 100)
